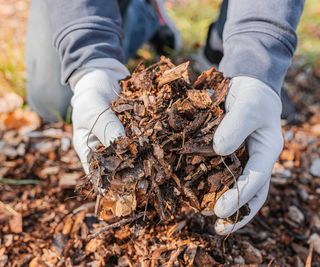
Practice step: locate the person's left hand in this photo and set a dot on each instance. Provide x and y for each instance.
(253, 115)
(95, 87)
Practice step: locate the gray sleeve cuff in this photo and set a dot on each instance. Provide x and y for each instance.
(257, 55)
(85, 30)
(259, 39)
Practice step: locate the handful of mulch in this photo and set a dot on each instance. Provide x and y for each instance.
(166, 163)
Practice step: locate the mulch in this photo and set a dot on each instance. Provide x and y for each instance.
(43, 222)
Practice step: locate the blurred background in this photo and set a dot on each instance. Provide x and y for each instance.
(192, 19)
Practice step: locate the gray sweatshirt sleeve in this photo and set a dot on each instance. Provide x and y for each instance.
(85, 30)
(259, 39)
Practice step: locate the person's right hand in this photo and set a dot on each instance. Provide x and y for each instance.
(253, 116)
(95, 87)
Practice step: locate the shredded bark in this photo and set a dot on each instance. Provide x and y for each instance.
(166, 161)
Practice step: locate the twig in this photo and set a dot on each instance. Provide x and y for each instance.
(9, 181)
(114, 225)
(309, 257)
(94, 124)
(153, 66)
(85, 206)
(146, 206)
(97, 204)
(238, 212)
(160, 198)
(180, 157)
(115, 91)
(270, 262)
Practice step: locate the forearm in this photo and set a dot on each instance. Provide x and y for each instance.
(259, 39)
(85, 30)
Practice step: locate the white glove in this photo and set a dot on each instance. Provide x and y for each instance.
(95, 86)
(253, 115)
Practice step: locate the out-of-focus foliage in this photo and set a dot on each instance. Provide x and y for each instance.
(192, 18)
(309, 33)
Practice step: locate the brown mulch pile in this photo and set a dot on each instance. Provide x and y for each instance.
(44, 223)
(166, 162)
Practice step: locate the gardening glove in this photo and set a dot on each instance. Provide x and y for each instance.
(253, 112)
(95, 86)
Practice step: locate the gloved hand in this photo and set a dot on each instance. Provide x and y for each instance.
(95, 86)
(253, 115)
